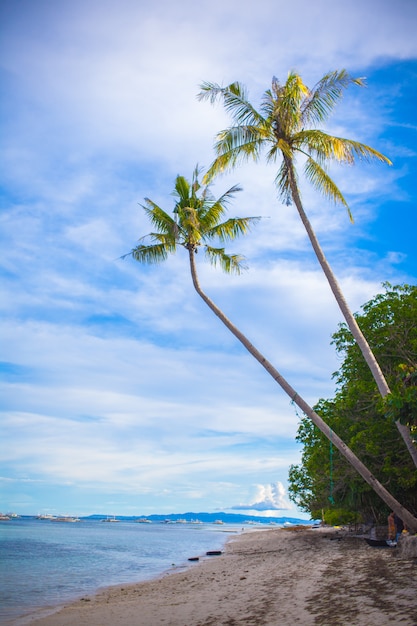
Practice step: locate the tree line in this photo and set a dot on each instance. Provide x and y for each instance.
(323, 484)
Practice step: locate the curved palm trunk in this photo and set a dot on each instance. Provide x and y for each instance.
(364, 347)
(403, 513)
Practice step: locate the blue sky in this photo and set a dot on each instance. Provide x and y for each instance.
(121, 392)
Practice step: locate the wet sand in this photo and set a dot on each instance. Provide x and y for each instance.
(271, 578)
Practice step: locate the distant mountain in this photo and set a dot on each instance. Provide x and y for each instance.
(227, 518)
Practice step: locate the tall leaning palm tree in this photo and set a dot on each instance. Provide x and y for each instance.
(284, 126)
(196, 222)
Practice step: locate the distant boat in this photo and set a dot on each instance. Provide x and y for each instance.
(4, 518)
(111, 519)
(66, 518)
(218, 521)
(45, 516)
(196, 521)
(180, 521)
(143, 520)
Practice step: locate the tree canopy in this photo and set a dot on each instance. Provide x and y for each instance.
(365, 421)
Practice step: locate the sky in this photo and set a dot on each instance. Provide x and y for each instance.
(121, 392)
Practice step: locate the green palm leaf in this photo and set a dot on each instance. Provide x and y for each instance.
(233, 228)
(327, 147)
(230, 263)
(157, 216)
(325, 95)
(237, 144)
(150, 254)
(235, 101)
(319, 178)
(182, 188)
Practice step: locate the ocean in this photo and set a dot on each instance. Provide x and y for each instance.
(46, 564)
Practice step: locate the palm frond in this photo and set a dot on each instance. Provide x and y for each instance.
(150, 254)
(288, 102)
(210, 214)
(268, 105)
(246, 138)
(283, 182)
(320, 179)
(229, 263)
(328, 147)
(212, 210)
(237, 104)
(362, 151)
(234, 145)
(321, 146)
(325, 95)
(232, 228)
(182, 190)
(210, 91)
(235, 101)
(158, 217)
(229, 194)
(280, 147)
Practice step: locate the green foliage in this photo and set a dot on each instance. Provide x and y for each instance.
(362, 418)
(401, 405)
(337, 517)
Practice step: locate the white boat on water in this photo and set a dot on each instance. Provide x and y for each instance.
(111, 519)
(143, 520)
(218, 521)
(66, 518)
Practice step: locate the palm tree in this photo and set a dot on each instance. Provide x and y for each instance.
(196, 222)
(284, 127)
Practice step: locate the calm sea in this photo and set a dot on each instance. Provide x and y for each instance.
(45, 564)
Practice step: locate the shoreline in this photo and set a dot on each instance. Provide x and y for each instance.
(278, 577)
(61, 586)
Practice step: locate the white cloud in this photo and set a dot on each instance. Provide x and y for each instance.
(270, 497)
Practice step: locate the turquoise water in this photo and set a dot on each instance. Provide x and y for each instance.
(44, 563)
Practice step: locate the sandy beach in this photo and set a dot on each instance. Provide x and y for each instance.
(271, 578)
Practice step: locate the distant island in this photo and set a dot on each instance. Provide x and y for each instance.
(207, 518)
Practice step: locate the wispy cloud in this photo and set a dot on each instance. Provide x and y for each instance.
(119, 384)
